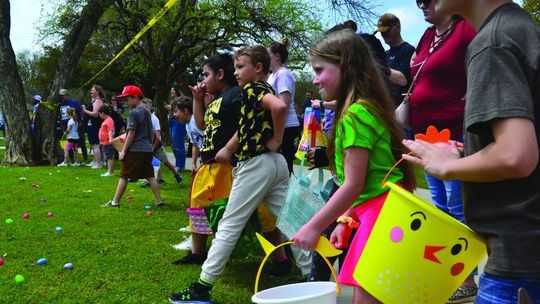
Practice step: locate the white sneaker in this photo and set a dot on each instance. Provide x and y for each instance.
(106, 174)
(96, 167)
(91, 164)
(185, 245)
(63, 164)
(75, 165)
(185, 229)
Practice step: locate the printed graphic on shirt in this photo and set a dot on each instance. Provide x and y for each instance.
(256, 125)
(221, 120)
(212, 123)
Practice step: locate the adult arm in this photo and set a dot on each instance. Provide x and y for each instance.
(512, 154)
(398, 78)
(355, 168)
(95, 108)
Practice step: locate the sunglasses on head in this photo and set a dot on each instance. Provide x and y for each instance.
(424, 2)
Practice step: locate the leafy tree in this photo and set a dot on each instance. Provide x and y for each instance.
(533, 7)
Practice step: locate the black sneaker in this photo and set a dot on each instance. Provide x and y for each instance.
(178, 178)
(160, 181)
(280, 268)
(196, 294)
(191, 259)
(145, 185)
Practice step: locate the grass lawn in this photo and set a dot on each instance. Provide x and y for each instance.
(120, 255)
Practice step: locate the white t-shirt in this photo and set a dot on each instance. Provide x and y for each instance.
(281, 81)
(196, 136)
(155, 123)
(73, 134)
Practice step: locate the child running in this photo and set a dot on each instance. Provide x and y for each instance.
(261, 173)
(365, 141)
(72, 139)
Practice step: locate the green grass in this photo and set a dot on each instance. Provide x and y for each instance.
(119, 255)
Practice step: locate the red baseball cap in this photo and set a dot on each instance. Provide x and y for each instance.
(130, 90)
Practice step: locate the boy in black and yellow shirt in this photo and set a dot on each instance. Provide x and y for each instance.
(261, 174)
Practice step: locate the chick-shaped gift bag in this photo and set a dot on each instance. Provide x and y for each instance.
(416, 253)
(312, 135)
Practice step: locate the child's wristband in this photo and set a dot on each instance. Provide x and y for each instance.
(349, 221)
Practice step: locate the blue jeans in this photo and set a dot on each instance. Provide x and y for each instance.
(178, 142)
(447, 196)
(497, 290)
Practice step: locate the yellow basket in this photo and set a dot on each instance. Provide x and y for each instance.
(416, 253)
(63, 143)
(299, 293)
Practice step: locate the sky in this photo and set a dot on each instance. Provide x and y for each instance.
(26, 15)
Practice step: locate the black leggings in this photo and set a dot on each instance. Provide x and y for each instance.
(289, 145)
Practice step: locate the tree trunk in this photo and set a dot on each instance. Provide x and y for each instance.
(160, 97)
(73, 48)
(12, 103)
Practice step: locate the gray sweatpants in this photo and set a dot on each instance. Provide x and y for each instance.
(263, 178)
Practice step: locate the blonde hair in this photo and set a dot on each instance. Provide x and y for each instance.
(362, 82)
(256, 53)
(71, 113)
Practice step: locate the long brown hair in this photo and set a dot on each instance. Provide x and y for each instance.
(361, 83)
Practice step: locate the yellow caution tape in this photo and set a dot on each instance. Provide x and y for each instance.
(158, 16)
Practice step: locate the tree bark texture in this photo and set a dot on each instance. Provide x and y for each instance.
(73, 48)
(12, 103)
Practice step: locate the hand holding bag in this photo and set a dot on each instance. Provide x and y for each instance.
(302, 203)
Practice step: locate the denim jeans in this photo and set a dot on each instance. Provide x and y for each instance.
(497, 290)
(447, 196)
(178, 141)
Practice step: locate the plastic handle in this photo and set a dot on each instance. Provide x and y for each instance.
(268, 254)
(306, 179)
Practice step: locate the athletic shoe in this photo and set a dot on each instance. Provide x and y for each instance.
(145, 184)
(75, 164)
(191, 259)
(106, 174)
(96, 167)
(185, 229)
(463, 295)
(111, 204)
(91, 164)
(178, 178)
(280, 268)
(185, 245)
(160, 181)
(160, 204)
(62, 164)
(196, 294)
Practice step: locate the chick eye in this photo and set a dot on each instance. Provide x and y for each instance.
(456, 249)
(415, 224)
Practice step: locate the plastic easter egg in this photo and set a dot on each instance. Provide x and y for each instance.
(68, 266)
(148, 212)
(9, 221)
(19, 279)
(49, 214)
(1, 262)
(42, 261)
(129, 197)
(59, 229)
(25, 216)
(147, 207)
(35, 185)
(43, 200)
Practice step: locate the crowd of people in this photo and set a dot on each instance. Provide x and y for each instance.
(475, 71)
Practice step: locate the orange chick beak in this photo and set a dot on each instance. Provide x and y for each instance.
(429, 253)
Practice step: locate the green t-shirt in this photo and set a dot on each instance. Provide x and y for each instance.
(360, 128)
